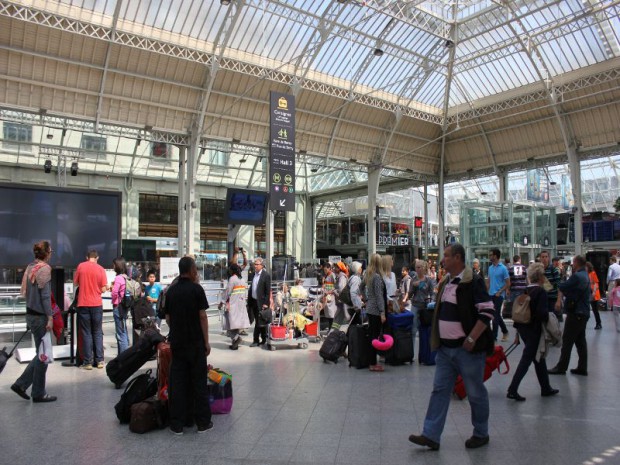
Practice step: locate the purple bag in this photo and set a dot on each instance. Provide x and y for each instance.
(220, 397)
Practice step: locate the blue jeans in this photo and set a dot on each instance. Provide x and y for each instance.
(450, 363)
(90, 324)
(120, 325)
(416, 324)
(34, 374)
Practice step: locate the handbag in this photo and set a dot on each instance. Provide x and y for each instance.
(521, 312)
(46, 352)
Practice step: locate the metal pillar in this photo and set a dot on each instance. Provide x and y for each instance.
(575, 179)
(373, 190)
(181, 204)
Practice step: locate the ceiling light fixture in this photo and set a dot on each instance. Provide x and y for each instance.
(47, 166)
(377, 52)
(314, 169)
(448, 43)
(225, 2)
(243, 160)
(50, 135)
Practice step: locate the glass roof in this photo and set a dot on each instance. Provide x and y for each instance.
(498, 46)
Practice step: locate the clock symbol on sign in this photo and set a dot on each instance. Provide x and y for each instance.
(277, 177)
(288, 179)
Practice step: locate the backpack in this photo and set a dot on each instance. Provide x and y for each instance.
(148, 415)
(345, 294)
(521, 312)
(133, 290)
(139, 389)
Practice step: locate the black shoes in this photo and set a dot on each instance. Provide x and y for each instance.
(254, 344)
(579, 372)
(515, 396)
(550, 392)
(45, 398)
(20, 392)
(424, 441)
(474, 442)
(598, 327)
(556, 371)
(204, 428)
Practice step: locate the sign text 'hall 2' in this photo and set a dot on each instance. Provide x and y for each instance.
(282, 152)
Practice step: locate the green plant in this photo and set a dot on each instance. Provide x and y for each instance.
(617, 205)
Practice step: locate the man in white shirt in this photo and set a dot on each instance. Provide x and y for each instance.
(259, 296)
(613, 273)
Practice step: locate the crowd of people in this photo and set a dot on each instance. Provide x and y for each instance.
(464, 326)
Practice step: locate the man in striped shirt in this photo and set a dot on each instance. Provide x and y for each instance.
(461, 334)
(518, 280)
(553, 276)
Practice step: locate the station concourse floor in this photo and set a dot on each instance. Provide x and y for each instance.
(291, 408)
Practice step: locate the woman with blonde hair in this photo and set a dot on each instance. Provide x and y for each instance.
(530, 333)
(423, 292)
(376, 304)
(390, 283)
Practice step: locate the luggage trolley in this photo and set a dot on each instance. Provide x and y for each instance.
(314, 307)
(280, 335)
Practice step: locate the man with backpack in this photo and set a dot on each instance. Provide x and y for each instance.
(186, 316)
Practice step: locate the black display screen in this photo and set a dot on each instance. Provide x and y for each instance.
(246, 207)
(74, 221)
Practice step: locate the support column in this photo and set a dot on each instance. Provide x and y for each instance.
(269, 239)
(190, 195)
(575, 179)
(181, 204)
(440, 204)
(503, 186)
(426, 222)
(373, 190)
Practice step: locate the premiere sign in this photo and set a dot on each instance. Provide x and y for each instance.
(393, 239)
(282, 152)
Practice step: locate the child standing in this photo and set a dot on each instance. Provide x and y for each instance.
(153, 290)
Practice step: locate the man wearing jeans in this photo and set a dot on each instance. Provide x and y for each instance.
(461, 334)
(91, 279)
(499, 283)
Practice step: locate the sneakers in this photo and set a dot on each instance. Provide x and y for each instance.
(474, 442)
(505, 337)
(204, 428)
(176, 431)
(422, 440)
(87, 366)
(100, 365)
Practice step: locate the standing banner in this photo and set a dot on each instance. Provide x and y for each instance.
(282, 152)
(568, 201)
(537, 186)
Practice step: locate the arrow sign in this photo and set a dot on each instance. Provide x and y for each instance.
(283, 202)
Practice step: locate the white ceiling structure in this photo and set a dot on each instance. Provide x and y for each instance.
(492, 86)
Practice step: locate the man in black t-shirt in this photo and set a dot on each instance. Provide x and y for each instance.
(186, 305)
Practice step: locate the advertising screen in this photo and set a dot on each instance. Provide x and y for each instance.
(74, 221)
(246, 207)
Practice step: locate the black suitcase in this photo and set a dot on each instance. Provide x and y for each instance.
(128, 362)
(361, 352)
(402, 350)
(426, 356)
(333, 346)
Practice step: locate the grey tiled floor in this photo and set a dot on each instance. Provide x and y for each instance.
(290, 407)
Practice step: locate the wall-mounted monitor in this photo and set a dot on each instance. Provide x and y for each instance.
(74, 221)
(246, 207)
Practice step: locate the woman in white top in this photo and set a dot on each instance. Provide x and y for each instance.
(390, 282)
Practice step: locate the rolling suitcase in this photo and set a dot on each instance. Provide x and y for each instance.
(493, 362)
(164, 359)
(403, 320)
(127, 363)
(426, 356)
(333, 346)
(361, 354)
(402, 350)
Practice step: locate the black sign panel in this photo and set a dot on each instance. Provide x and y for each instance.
(282, 148)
